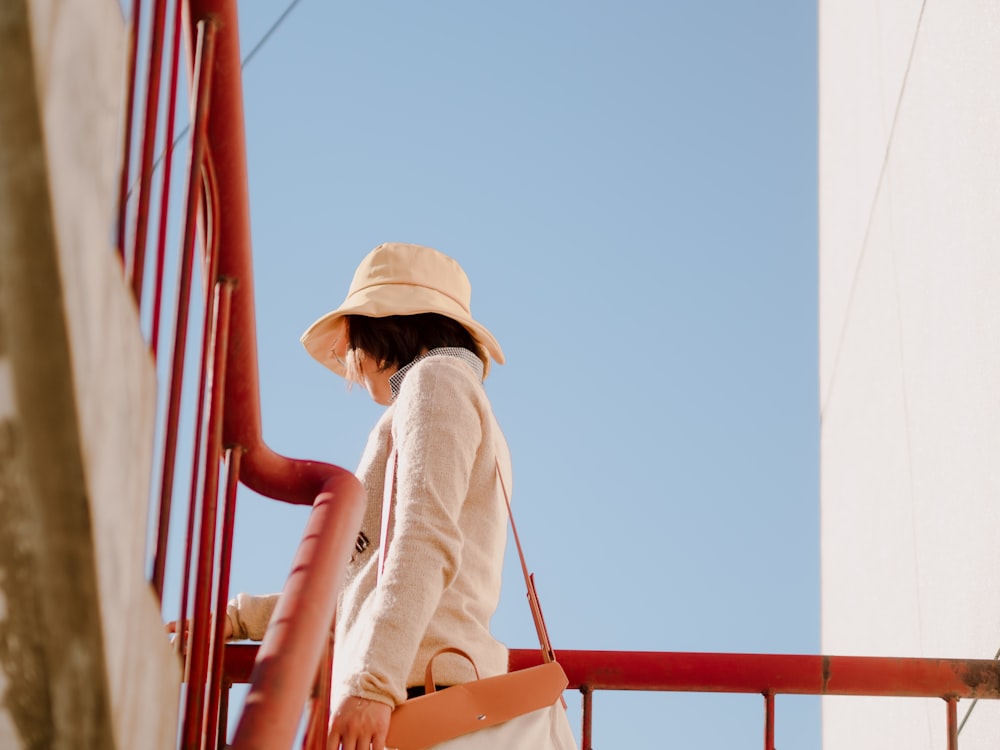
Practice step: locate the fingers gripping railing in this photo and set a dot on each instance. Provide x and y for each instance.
(228, 407)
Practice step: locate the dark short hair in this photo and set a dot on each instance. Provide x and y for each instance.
(396, 340)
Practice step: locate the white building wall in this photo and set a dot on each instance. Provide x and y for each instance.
(909, 206)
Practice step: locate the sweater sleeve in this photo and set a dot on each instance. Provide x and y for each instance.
(437, 430)
(249, 615)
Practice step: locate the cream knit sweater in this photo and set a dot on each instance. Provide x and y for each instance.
(441, 581)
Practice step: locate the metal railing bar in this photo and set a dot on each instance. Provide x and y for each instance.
(123, 187)
(769, 720)
(587, 719)
(232, 404)
(205, 363)
(779, 673)
(199, 638)
(300, 625)
(670, 671)
(223, 565)
(952, 707)
(161, 243)
(150, 122)
(972, 707)
(223, 714)
(203, 64)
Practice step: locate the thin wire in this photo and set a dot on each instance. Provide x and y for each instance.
(274, 27)
(975, 701)
(835, 365)
(243, 64)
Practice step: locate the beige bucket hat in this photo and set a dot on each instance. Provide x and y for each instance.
(400, 279)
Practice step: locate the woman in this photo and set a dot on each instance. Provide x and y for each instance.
(406, 333)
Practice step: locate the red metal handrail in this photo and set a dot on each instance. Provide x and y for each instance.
(286, 664)
(228, 392)
(768, 675)
(291, 652)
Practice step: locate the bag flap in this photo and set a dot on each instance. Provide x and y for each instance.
(425, 721)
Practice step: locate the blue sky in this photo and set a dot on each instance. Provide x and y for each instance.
(631, 188)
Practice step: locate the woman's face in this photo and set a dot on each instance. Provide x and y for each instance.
(376, 381)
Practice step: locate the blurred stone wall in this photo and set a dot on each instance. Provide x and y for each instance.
(83, 658)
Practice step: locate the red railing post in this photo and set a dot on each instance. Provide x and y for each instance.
(769, 720)
(223, 566)
(152, 111)
(168, 160)
(201, 93)
(193, 725)
(952, 704)
(220, 741)
(587, 720)
(133, 53)
(228, 348)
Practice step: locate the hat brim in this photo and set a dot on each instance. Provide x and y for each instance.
(383, 300)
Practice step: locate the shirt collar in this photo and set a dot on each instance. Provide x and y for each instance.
(396, 380)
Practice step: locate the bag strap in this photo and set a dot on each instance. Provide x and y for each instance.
(548, 655)
(390, 481)
(529, 580)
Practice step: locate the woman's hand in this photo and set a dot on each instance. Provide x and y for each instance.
(359, 724)
(174, 627)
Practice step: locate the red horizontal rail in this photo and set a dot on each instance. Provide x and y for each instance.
(745, 673)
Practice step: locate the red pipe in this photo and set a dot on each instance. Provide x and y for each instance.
(300, 626)
(193, 724)
(669, 671)
(263, 470)
(778, 673)
(201, 93)
(148, 146)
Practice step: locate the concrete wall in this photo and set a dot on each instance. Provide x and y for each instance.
(84, 661)
(909, 350)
